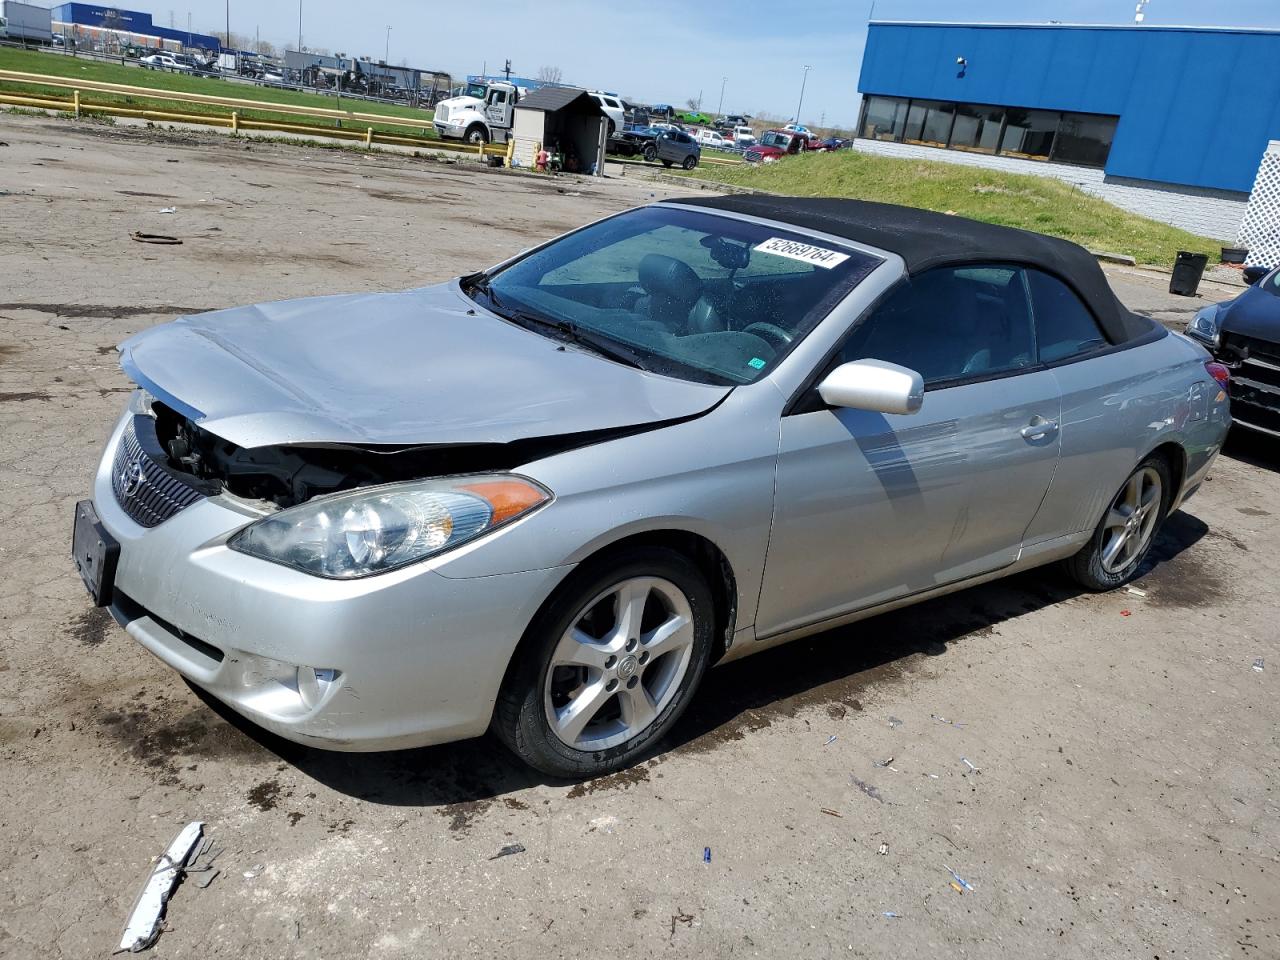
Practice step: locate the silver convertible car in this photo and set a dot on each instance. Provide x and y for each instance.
(544, 498)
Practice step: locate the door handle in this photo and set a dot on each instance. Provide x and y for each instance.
(1039, 428)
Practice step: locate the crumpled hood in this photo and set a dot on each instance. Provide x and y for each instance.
(394, 368)
(1255, 313)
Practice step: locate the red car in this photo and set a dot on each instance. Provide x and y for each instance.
(776, 144)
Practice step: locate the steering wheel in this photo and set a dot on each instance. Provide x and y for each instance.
(771, 332)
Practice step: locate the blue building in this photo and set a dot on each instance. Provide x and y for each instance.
(93, 20)
(1183, 110)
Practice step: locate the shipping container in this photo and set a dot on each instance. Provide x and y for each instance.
(25, 23)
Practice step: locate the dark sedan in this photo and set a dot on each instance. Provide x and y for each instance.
(1244, 334)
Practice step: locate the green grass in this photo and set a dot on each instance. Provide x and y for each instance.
(1035, 203)
(67, 67)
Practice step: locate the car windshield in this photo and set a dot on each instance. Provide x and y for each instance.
(782, 140)
(677, 291)
(477, 90)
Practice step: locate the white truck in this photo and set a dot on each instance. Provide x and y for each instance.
(482, 113)
(25, 23)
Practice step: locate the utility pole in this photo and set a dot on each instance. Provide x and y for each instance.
(386, 58)
(299, 26)
(507, 70)
(720, 109)
(803, 81)
(228, 24)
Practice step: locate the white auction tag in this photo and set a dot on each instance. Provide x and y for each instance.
(805, 253)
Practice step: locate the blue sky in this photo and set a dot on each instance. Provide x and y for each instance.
(667, 50)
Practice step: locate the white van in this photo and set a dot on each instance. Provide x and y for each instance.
(712, 138)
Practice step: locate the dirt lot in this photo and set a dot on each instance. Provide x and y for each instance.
(1127, 804)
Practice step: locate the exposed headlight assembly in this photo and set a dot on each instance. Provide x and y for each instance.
(375, 529)
(1206, 322)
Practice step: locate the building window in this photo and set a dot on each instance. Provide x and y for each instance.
(977, 128)
(1029, 133)
(884, 118)
(1084, 139)
(1079, 138)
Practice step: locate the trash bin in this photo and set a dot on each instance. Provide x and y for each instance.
(1187, 271)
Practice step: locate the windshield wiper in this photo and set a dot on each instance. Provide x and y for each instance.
(604, 346)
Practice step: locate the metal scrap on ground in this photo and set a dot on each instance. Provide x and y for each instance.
(508, 851)
(143, 925)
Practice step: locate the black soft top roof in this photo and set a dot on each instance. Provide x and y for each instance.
(925, 240)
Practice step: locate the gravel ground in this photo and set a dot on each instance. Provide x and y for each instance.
(1124, 801)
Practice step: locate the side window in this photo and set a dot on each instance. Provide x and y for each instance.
(950, 324)
(1064, 326)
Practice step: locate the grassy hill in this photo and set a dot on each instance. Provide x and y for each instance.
(66, 67)
(1035, 203)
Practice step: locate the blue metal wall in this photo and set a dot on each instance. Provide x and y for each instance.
(134, 21)
(1196, 107)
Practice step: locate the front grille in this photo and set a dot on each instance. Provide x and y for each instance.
(1255, 380)
(752, 156)
(442, 113)
(148, 492)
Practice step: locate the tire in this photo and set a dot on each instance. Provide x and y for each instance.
(667, 164)
(1120, 543)
(612, 128)
(650, 153)
(632, 697)
(690, 162)
(476, 135)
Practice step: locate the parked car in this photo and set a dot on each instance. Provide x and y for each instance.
(712, 138)
(693, 118)
(632, 141)
(836, 143)
(774, 145)
(544, 498)
(673, 147)
(1244, 334)
(743, 136)
(613, 109)
(731, 120)
(164, 61)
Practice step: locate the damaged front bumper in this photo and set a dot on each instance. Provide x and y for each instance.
(407, 658)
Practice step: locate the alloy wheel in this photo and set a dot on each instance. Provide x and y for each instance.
(619, 664)
(1131, 521)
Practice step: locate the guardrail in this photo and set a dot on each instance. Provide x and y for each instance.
(79, 106)
(153, 93)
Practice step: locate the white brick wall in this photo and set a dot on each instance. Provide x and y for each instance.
(1210, 213)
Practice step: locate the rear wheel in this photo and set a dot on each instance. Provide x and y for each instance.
(609, 665)
(1127, 530)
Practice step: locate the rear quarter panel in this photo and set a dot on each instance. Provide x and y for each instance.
(1118, 408)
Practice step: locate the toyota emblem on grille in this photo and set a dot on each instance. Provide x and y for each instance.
(131, 478)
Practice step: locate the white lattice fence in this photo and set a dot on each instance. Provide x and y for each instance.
(1260, 231)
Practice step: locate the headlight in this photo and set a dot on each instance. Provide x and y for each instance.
(1206, 323)
(376, 529)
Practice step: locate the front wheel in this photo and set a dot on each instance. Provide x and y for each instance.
(476, 135)
(1127, 530)
(608, 665)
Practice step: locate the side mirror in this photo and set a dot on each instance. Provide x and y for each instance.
(873, 385)
(1253, 274)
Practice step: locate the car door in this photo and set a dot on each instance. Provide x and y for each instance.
(1109, 403)
(872, 507)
